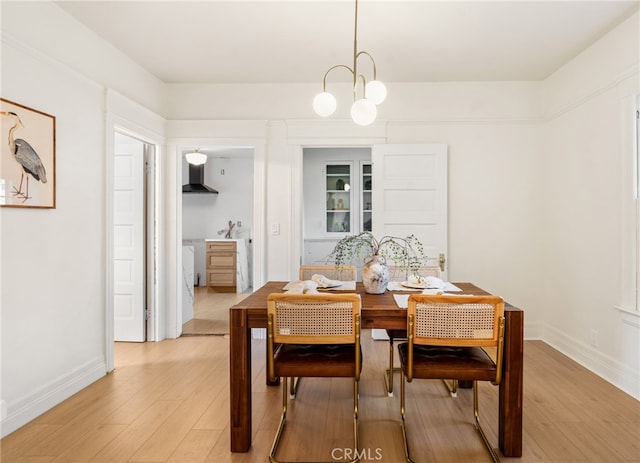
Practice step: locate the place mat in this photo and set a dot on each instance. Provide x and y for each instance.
(397, 286)
(402, 300)
(345, 286)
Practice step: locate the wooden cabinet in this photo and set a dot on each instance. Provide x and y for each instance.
(221, 265)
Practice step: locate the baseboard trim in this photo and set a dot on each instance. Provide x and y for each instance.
(30, 406)
(608, 368)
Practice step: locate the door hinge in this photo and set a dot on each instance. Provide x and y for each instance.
(441, 261)
(146, 314)
(147, 168)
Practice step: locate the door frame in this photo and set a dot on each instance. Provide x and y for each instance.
(117, 124)
(176, 146)
(296, 151)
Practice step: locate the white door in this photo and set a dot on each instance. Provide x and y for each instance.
(128, 218)
(410, 195)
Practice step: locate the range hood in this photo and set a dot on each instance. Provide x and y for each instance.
(196, 181)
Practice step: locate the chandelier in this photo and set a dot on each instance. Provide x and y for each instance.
(374, 92)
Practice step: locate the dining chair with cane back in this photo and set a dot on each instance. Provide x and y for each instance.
(342, 273)
(313, 335)
(447, 338)
(402, 273)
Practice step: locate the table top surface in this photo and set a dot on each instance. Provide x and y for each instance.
(371, 302)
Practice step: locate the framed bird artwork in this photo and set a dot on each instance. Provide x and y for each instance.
(27, 157)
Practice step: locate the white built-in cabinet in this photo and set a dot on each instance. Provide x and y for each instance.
(366, 204)
(339, 197)
(338, 202)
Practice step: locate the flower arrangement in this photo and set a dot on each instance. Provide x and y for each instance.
(406, 252)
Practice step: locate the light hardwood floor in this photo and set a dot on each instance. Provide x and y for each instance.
(168, 402)
(211, 312)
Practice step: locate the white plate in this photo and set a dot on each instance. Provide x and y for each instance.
(406, 284)
(335, 285)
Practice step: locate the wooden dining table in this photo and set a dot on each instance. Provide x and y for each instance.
(378, 311)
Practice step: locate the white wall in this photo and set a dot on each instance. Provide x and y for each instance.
(523, 162)
(583, 177)
(53, 260)
(54, 264)
(204, 215)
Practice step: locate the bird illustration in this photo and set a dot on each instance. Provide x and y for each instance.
(26, 157)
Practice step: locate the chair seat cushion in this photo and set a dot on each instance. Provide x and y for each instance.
(396, 334)
(439, 362)
(310, 360)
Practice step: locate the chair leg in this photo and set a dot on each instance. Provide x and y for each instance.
(476, 416)
(356, 433)
(388, 374)
(402, 412)
(293, 388)
(283, 419)
(452, 387)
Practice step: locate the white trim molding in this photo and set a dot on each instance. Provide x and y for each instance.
(48, 396)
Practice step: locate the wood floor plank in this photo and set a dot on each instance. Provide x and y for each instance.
(127, 443)
(195, 446)
(91, 443)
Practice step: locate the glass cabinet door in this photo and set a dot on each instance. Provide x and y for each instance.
(338, 196)
(366, 203)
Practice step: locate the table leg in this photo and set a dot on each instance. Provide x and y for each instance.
(510, 395)
(240, 380)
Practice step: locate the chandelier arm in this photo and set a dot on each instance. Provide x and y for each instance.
(364, 87)
(373, 62)
(326, 74)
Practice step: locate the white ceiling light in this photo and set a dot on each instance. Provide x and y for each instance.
(196, 158)
(374, 92)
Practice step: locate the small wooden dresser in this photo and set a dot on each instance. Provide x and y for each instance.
(221, 265)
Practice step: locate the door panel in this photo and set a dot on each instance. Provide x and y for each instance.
(410, 195)
(128, 216)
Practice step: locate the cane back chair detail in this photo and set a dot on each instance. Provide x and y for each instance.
(447, 337)
(401, 273)
(313, 335)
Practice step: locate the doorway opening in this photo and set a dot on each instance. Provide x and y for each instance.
(337, 190)
(214, 281)
(133, 239)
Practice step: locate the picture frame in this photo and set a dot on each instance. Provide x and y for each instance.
(27, 157)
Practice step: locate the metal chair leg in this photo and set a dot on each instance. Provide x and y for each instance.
(452, 388)
(476, 416)
(283, 419)
(293, 387)
(388, 373)
(402, 412)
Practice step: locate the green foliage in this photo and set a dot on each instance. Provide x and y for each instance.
(406, 252)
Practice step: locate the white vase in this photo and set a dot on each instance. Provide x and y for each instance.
(375, 275)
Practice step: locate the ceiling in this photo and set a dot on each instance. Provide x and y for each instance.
(238, 41)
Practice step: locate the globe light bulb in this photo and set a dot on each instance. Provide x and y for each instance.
(363, 112)
(324, 104)
(376, 91)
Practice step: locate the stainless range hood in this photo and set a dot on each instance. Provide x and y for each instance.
(196, 181)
